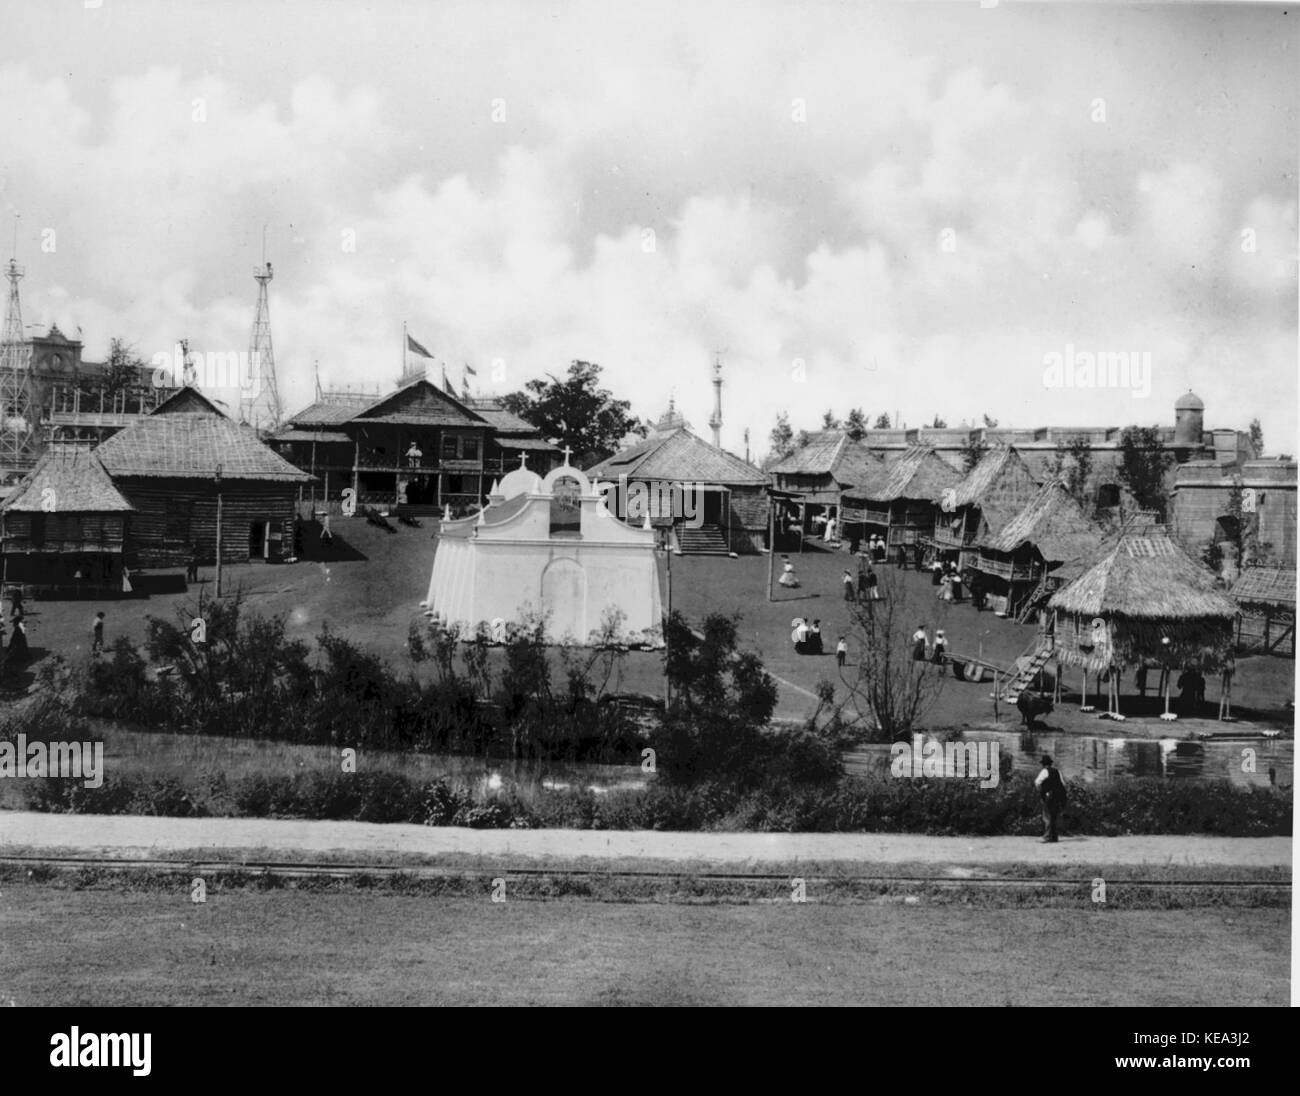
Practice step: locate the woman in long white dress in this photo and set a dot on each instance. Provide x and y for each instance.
(787, 578)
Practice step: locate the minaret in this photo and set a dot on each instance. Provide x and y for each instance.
(715, 420)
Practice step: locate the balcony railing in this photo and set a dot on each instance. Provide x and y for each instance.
(1007, 570)
(944, 537)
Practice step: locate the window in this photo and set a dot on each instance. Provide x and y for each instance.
(469, 449)
(566, 507)
(449, 449)
(176, 521)
(38, 530)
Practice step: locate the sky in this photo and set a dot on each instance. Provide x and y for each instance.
(909, 208)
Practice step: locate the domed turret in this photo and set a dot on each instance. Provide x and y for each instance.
(1189, 421)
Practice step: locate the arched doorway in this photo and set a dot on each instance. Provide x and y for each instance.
(564, 600)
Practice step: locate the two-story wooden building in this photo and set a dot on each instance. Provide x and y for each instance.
(980, 506)
(417, 448)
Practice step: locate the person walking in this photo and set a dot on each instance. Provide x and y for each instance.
(97, 635)
(829, 534)
(940, 650)
(920, 641)
(815, 639)
(192, 566)
(1051, 791)
(18, 622)
(848, 587)
(873, 584)
(841, 652)
(788, 578)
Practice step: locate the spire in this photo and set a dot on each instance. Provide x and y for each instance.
(715, 420)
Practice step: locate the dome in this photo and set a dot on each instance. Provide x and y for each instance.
(1189, 402)
(519, 482)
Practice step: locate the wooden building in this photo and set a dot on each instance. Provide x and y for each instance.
(1050, 532)
(900, 499)
(716, 502)
(418, 448)
(816, 475)
(64, 527)
(998, 488)
(185, 462)
(1266, 598)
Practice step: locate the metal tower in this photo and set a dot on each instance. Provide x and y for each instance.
(259, 403)
(715, 420)
(17, 412)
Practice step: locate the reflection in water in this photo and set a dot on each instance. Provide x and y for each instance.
(1245, 762)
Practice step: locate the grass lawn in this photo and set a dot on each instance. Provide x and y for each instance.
(113, 948)
(371, 587)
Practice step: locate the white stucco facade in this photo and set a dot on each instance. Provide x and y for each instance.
(547, 546)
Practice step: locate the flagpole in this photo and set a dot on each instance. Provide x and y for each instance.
(402, 372)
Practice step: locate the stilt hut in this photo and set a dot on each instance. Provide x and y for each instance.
(1050, 533)
(982, 504)
(1266, 598)
(1145, 601)
(899, 500)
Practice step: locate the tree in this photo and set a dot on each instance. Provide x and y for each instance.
(123, 369)
(1142, 466)
(972, 452)
(801, 439)
(882, 422)
(830, 422)
(888, 683)
(722, 701)
(576, 412)
(1072, 465)
(1257, 437)
(939, 423)
(855, 424)
(782, 437)
(989, 421)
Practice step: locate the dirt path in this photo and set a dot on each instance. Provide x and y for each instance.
(133, 836)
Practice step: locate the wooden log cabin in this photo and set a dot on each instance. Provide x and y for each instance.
(64, 527)
(182, 463)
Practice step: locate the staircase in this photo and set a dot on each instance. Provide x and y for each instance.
(707, 540)
(1028, 667)
(1032, 599)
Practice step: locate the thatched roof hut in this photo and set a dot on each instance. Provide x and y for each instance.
(1143, 599)
(902, 495)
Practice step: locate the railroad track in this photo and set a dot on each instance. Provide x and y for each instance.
(297, 869)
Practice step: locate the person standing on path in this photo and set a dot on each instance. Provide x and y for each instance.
(841, 652)
(97, 635)
(940, 650)
(920, 641)
(1051, 790)
(848, 587)
(873, 584)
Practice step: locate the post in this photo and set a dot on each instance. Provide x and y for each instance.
(771, 545)
(218, 482)
(356, 471)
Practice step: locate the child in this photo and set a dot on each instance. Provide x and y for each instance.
(97, 635)
(841, 652)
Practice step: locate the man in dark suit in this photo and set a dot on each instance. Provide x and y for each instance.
(1051, 790)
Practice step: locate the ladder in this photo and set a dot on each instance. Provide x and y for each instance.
(1028, 667)
(1031, 600)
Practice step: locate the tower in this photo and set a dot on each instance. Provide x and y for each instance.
(17, 411)
(259, 402)
(715, 420)
(1189, 421)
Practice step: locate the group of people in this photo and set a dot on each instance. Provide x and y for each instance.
(807, 640)
(925, 651)
(947, 577)
(866, 587)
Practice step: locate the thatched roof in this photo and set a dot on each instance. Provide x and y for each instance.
(682, 457)
(77, 482)
(1145, 578)
(975, 487)
(920, 473)
(833, 453)
(1053, 523)
(1269, 586)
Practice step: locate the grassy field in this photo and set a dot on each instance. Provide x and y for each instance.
(111, 948)
(370, 588)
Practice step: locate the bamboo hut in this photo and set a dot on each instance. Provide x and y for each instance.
(1266, 598)
(1049, 536)
(982, 504)
(1145, 602)
(898, 501)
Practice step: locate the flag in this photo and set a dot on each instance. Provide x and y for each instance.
(414, 347)
(471, 370)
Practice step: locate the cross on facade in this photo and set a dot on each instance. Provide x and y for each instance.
(567, 453)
